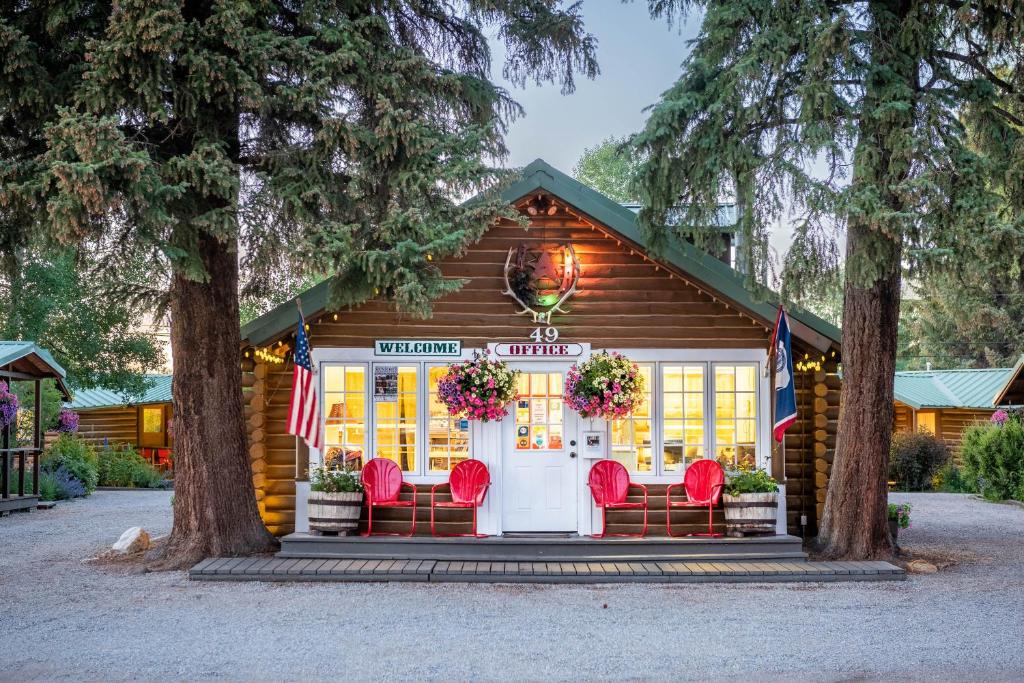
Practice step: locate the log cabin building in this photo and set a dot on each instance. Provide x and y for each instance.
(108, 418)
(946, 402)
(685, 317)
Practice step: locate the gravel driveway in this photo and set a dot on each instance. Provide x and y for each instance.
(60, 619)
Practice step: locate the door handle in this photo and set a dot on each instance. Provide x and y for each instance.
(572, 454)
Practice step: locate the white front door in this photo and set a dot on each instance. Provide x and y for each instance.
(539, 463)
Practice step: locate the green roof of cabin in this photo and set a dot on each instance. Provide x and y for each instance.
(29, 358)
(966, 388)
(158, 391)
(539, 175)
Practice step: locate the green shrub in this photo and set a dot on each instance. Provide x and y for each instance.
(914, 457)
(750, 481)
(76, 456)
(993, 459)
(125, 467)
(950, 479)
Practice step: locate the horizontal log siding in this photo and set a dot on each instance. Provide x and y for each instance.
(622, 301)
(116, 425)
(954, 421)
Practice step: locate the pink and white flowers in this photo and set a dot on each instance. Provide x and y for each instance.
(478, 389)
(608, 385)
(8, 405)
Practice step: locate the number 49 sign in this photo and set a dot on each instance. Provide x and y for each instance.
(544, 334)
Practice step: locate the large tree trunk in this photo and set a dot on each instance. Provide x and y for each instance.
(215, 509)
(855, 522)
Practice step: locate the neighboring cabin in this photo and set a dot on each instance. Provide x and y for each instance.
(107, 417)
(946, 402)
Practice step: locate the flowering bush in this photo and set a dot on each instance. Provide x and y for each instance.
(67, 421)
(900, 514)
(325, 479)
(999, 417)
(8, 405)
(609, 386)
(478, 389)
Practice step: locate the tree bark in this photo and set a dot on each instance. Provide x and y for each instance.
(215, 511)
(855, 520)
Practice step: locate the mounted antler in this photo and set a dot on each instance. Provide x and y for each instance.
(544, 317)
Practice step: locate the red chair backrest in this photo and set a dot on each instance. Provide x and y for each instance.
(609, 482)
(469, 480)
(382, 480)
(701, 479)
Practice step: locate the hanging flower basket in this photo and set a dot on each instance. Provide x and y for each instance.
(8, 406)
(608, 386)
(478, 389)
(67, 421)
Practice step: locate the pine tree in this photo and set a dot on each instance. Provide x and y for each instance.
(876, 93)
(336, 137)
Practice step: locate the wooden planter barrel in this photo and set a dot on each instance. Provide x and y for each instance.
(334, 513)
(750, 513)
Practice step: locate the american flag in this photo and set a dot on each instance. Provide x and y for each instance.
(304, 408)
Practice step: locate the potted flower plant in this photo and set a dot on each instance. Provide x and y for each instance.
(899, 518)
(478, 389)
(607, 385)
(335, 500)
(8, 406)
(750, 502)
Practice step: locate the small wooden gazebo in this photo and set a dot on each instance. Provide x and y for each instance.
(22, 361)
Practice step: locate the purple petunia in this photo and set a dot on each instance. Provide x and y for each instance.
(67, 421)
(8, 406)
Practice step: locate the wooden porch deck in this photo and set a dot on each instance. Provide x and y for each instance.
(279, 569)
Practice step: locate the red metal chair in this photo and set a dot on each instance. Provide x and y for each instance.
(609, 483)
(468, 483)
(382, 482)
(703, 482)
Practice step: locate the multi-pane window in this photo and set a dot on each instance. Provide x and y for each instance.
(632, 437)
(538, 416)
(682, 396)
(395, 421)
(345, 415)
(447, 437)
(735, 415)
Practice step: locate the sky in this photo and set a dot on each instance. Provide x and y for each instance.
(639, 58)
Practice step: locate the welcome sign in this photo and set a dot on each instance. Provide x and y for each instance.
(417, 347)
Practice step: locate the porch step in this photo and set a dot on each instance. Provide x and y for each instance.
(352, 570)
(545, 548)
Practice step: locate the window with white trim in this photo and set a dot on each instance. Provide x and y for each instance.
(632, 438)
(683, 415)
(447, 436)
(345, 415)
(735, 394)
(395, 422)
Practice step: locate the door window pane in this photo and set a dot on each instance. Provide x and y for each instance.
(736, 415)
(539, 413)
(447, 437)
(631, 436)
(395, 423)
(683, 415)
(344, 415)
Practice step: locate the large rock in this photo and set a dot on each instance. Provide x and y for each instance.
(921, 567)
(133, 540)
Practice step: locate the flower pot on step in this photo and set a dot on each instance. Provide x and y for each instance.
(334, 513)
(750, 514)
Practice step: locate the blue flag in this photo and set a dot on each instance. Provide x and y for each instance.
(785, 391)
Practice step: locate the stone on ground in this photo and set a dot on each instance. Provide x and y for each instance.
(921, 567)
(133, 540)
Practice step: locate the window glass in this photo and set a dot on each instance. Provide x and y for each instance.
(345, 415)
(153, 420)
(682, 415)
(447, 437)
(927, 422)
(631, 436)
(539, 414)
(395, 423)
(735, 415)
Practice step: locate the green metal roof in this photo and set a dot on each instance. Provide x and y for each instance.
(539, 175)
(158, 391)
(12, 352)
(966, 388)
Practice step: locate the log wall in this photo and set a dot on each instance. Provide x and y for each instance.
(116, 425)
(825, 409)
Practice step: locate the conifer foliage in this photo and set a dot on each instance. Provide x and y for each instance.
(877, 94)
(337, 138)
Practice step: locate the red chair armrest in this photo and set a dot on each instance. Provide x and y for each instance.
(433, 490)
(668, 490)
(716, 492)
(643, 488)
(412, 486)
